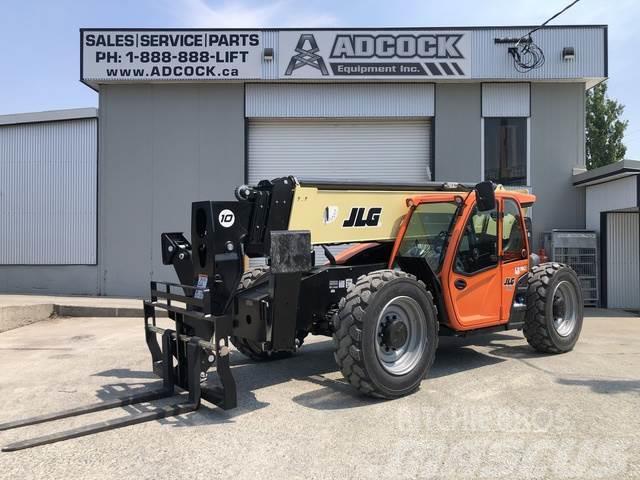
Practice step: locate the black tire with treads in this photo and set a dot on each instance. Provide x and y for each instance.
(538, 328)
(248, 347)
(355, 333)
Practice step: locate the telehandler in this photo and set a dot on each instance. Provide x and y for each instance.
(423, 260)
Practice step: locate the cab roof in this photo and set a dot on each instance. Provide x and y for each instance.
(523, 197)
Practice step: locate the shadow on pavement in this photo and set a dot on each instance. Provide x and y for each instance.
(125, 373)
(312, 365)
(604, 386)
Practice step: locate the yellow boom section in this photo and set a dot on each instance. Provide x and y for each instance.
(344, 216)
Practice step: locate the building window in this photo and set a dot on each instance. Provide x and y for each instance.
(505, 150)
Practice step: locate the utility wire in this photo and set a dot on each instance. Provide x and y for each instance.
(553, 17)
(526, 54)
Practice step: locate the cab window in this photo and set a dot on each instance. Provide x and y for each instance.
(512, 232)
(478, 247)
(428, 231)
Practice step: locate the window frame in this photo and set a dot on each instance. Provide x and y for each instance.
(523, 229)
(527, 183)
(498, 243)
(452, 225)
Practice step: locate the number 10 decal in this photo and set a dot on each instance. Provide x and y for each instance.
(226, 218)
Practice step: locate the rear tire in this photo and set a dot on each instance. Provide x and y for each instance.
(554, 308)
(386, 334)
(250, 348)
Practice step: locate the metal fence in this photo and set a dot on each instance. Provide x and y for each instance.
(579, 250)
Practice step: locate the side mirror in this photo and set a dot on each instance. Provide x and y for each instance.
(485, 196)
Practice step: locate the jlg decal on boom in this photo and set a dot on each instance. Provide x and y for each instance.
(359, 217)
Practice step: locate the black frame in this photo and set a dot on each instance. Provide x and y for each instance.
(457, 246)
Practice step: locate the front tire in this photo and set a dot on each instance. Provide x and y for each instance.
(386, 334)
(554, 308)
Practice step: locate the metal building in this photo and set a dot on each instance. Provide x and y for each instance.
(187, 115)
(613, 210)
(48, 201)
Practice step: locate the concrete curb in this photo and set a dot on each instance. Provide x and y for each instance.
(19, 316)
(86, 311)
(12, 317)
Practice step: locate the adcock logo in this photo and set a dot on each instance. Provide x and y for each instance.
(388, 54)
(307, 55)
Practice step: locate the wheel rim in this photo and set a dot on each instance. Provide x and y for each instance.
(565, 306)
(401, 335)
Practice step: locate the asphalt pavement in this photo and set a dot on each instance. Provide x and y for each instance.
(490, 408)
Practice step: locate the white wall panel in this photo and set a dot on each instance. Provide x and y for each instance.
(492, 61)
(613, 195)
(506, 99)
(312, 100)
(48, 193)
(270, 39)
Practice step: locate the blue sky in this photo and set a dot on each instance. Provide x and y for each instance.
(39, 39)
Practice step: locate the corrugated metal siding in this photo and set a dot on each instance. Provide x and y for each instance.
(613, 195)
(623, 260)
(48, 193)
(491, 61)
(506, 99)
(270, 39)
(373, 150)
(296, 100)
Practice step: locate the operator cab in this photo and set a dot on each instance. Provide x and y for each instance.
(476, 248)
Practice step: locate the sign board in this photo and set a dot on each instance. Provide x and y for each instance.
(152, 55)
(358, 54)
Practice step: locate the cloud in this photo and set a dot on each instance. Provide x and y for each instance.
(238, 14)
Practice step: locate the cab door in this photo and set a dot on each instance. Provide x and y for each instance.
(514, 251)
(472, 275)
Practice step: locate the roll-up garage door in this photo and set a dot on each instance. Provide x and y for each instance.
(382, 150)
(378, 150)
(623, 263)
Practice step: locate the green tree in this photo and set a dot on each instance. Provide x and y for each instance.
(605, 128)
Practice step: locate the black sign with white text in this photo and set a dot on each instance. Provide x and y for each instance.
(170, 55)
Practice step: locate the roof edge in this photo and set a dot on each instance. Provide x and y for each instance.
(604, 174)
(49, 116)
(433, 27)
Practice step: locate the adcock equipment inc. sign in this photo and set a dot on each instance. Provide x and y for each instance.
(374, 54)
(156, 55)
(170, 54)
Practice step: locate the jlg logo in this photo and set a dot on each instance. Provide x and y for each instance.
(510, 281)
(360, 218)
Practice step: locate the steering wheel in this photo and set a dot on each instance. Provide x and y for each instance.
(418, 250)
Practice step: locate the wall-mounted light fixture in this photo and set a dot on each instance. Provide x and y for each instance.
(568, 54)
(267, 54)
